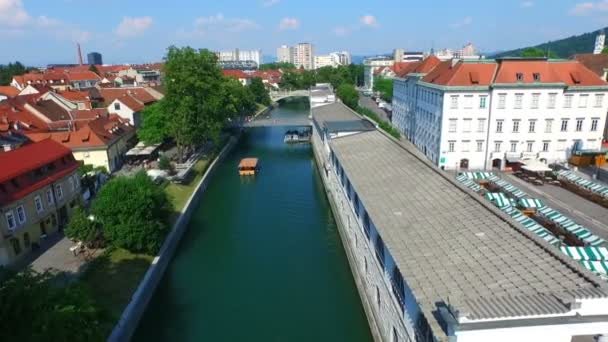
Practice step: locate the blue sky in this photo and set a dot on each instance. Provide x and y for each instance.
(38, 32)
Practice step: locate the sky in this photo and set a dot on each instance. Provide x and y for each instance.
(39, 32)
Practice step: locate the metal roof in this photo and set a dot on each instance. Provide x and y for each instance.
(452, 248)
(349, 126)
(336, 111)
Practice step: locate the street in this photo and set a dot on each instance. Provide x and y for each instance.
(367, 102)
(581, 210)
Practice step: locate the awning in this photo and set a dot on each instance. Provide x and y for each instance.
(499, 199)
(477, 175)
(142, 150)
(586, 253)
(596, 266)
(535, 166)
(469, 183)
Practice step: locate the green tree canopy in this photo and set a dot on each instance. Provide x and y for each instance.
(605, 50)
(238, 99)
(133, 213)
(385, 87)
(349, 96)
(34, 308)
(81, 228)
(259, 91)
(277, 65)
(155, 124)
(536, 52)
(7, 72)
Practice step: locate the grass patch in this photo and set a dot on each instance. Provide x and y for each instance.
(180, 193)
(113, 277)
(385, 126)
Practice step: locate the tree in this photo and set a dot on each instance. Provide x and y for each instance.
(133, 213)
(194, 96)
(385, 87)
(81, 228)
(536, 52)
(605, 50)
(259, 91)
(164, 163)
(349, 96)
(155, 124)
(277, 65)
(93, 68)
(37, 309)
(239, 99)
(7, 72)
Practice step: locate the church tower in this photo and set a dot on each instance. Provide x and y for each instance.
(599, 43)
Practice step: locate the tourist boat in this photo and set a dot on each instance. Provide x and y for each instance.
(248, 166)
(297, 137)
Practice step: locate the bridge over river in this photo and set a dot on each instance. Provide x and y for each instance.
(279, 95)
(269, 122)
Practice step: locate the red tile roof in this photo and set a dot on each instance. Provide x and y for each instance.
(9, 91)
(17, 165)
(89, 114)
(461, 74)
(140, 94)
(236, 74)
(427, 65)
(74, 95)
(131, 102)
(82, 76)
(13, 114)
(594, 62)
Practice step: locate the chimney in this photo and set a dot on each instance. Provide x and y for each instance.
(79, 54)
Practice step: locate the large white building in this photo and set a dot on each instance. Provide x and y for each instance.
(284, 54)
(436, 263)
(333, 59)
(468, 51)
(370, 65)
(489, 114)
(301, 55)
(237, 55)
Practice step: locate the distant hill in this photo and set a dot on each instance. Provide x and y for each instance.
(563, 48)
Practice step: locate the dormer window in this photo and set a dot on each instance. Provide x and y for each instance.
(536, 77)
(116, 106)
(520, 76)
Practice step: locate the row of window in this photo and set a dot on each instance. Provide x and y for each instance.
(465, 145)
(549, 125)
(518, 103)
(18, 217)
(467, 125)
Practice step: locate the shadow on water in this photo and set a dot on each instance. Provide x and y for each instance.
(262, 259)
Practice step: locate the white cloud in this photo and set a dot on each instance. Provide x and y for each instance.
(132, 27)
(466, 21)
(585, 8)
(220, 23)
(289, 24)
(270, 3)
(527, 4)
(12, 13)
(369, 20)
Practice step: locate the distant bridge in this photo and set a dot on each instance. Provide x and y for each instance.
(279, 95)
(268, 122)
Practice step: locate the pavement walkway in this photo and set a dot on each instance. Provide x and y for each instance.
(581, 210)
(367, 102)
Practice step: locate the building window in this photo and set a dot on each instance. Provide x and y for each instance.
(482, 102)
(26, 240)
(378, 300)
(552, 99)
(564, 127)
(479, 146)
(535, 100)
(468, 101)
(467, 125)
(594, 123)
(497, 146)
(582, 100)
(116, 106)
(520, 76)
(502, 101)
(49, 196)
(532, 126)
(561, 145)
(451, 146)
(454, 102)
(481, 125)
(545, 146)
(513, 146)
(10, 220)
(548, 125)
(515, 126)
(579, 125)
(38, 204)
(599, 100)
(452, 126)
(568, 101)
(529, 146)
(59, 192)
(536, 76)
(71, 182)
(465, 145)
(21, 214)
(16, 246)
(519, 99)
(498, 126)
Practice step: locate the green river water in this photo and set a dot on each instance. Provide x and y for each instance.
(262, 259)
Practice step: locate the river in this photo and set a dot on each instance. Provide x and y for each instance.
(262, 259)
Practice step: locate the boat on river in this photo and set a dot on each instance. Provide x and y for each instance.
(296, 136)
(248, 166)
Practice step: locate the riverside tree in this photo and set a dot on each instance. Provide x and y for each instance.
(81, 228)
(133, 213)
(259, 91)
(349, 96)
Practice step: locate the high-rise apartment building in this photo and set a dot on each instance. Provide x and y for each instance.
(237, 55)
(301, 55)
(94, 58)
(284, 54)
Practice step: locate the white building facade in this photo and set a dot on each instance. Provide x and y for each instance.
(484, 115)
(370, 65)
(237, 55)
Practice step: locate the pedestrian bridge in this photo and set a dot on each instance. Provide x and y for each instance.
(279, 95)
(268, 122)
